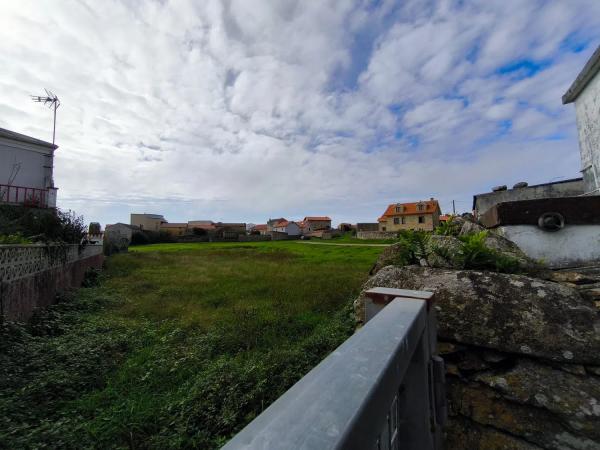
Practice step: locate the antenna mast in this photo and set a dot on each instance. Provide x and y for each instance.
(51, 101)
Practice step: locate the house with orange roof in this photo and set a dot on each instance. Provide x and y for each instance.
(421, 215)
(259, 229)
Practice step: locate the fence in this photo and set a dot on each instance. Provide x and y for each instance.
(32, 275)
(376, 235)
(381, 389)
(22, 195)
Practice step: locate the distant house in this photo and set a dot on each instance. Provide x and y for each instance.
(174, 229)
(422, 215)
(26, 170)
(207, 226)
(585, 92)
(314, 223)
(344, 227)
(445, 218)
(287, 227)
(229, 230)
(272, 222)
(147, 222)
(260, 229)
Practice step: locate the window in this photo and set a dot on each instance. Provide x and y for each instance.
(403, 220)
(396, 220)
(382, 228)
(421, 219)
(398, 209)
(420, 207)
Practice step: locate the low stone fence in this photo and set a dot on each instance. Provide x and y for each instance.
(32, 275)
(376, 235)
(254, 238)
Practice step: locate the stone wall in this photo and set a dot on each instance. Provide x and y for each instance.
(32, 275)
(375, 235)
(522, 355)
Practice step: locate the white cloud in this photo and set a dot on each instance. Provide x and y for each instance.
(241, 110)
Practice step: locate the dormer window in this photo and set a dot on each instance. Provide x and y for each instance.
(398, 208)
(420, 206)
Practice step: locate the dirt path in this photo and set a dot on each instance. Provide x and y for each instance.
(341, 243)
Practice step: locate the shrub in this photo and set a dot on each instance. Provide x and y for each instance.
(414, 245)
(475, 254)
(448, 228)
(42, 224)
(16, 238)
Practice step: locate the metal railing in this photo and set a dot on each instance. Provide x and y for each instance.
(22, 195)
(381, 389)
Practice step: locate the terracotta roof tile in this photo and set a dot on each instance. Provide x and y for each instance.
(409, 209)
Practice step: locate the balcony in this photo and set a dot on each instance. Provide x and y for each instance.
(28, 196)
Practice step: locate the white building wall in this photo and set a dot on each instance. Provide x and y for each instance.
(572, 246)
(28, 164)
(587, 107)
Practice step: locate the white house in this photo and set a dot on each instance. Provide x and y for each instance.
(26, 170)
(585, 92)
(290, 228)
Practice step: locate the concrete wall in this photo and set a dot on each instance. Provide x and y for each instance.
(410, 223)
(567, 188)
(587, 108)
(32, 275)
(574, 245)
(375, 235)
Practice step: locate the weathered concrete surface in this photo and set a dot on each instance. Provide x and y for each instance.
(565, 188)
(572, 246)
(587, 108)
(510, 313)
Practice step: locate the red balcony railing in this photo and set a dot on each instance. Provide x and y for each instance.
(21, 195)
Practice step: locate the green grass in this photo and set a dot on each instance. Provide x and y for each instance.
(179, 346)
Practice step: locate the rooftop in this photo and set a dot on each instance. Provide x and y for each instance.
(24, 138)
(317, 218)
(586, 75)
(407, 209)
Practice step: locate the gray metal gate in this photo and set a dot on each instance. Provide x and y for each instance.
(381, 389)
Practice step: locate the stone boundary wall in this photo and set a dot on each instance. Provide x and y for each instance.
(254, 238)
(32, 275)
(376, 235)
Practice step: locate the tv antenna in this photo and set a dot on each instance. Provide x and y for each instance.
(51, 101)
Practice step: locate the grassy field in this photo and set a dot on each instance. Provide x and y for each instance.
(348, 238)
(178, 346)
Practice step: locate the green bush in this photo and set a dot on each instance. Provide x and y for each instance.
(16, 238)
(139, 238)
(448, 228)
(42, 224)
(414, 245)
(476, 255)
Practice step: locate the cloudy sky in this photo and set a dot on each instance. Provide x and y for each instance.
(244, 109)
